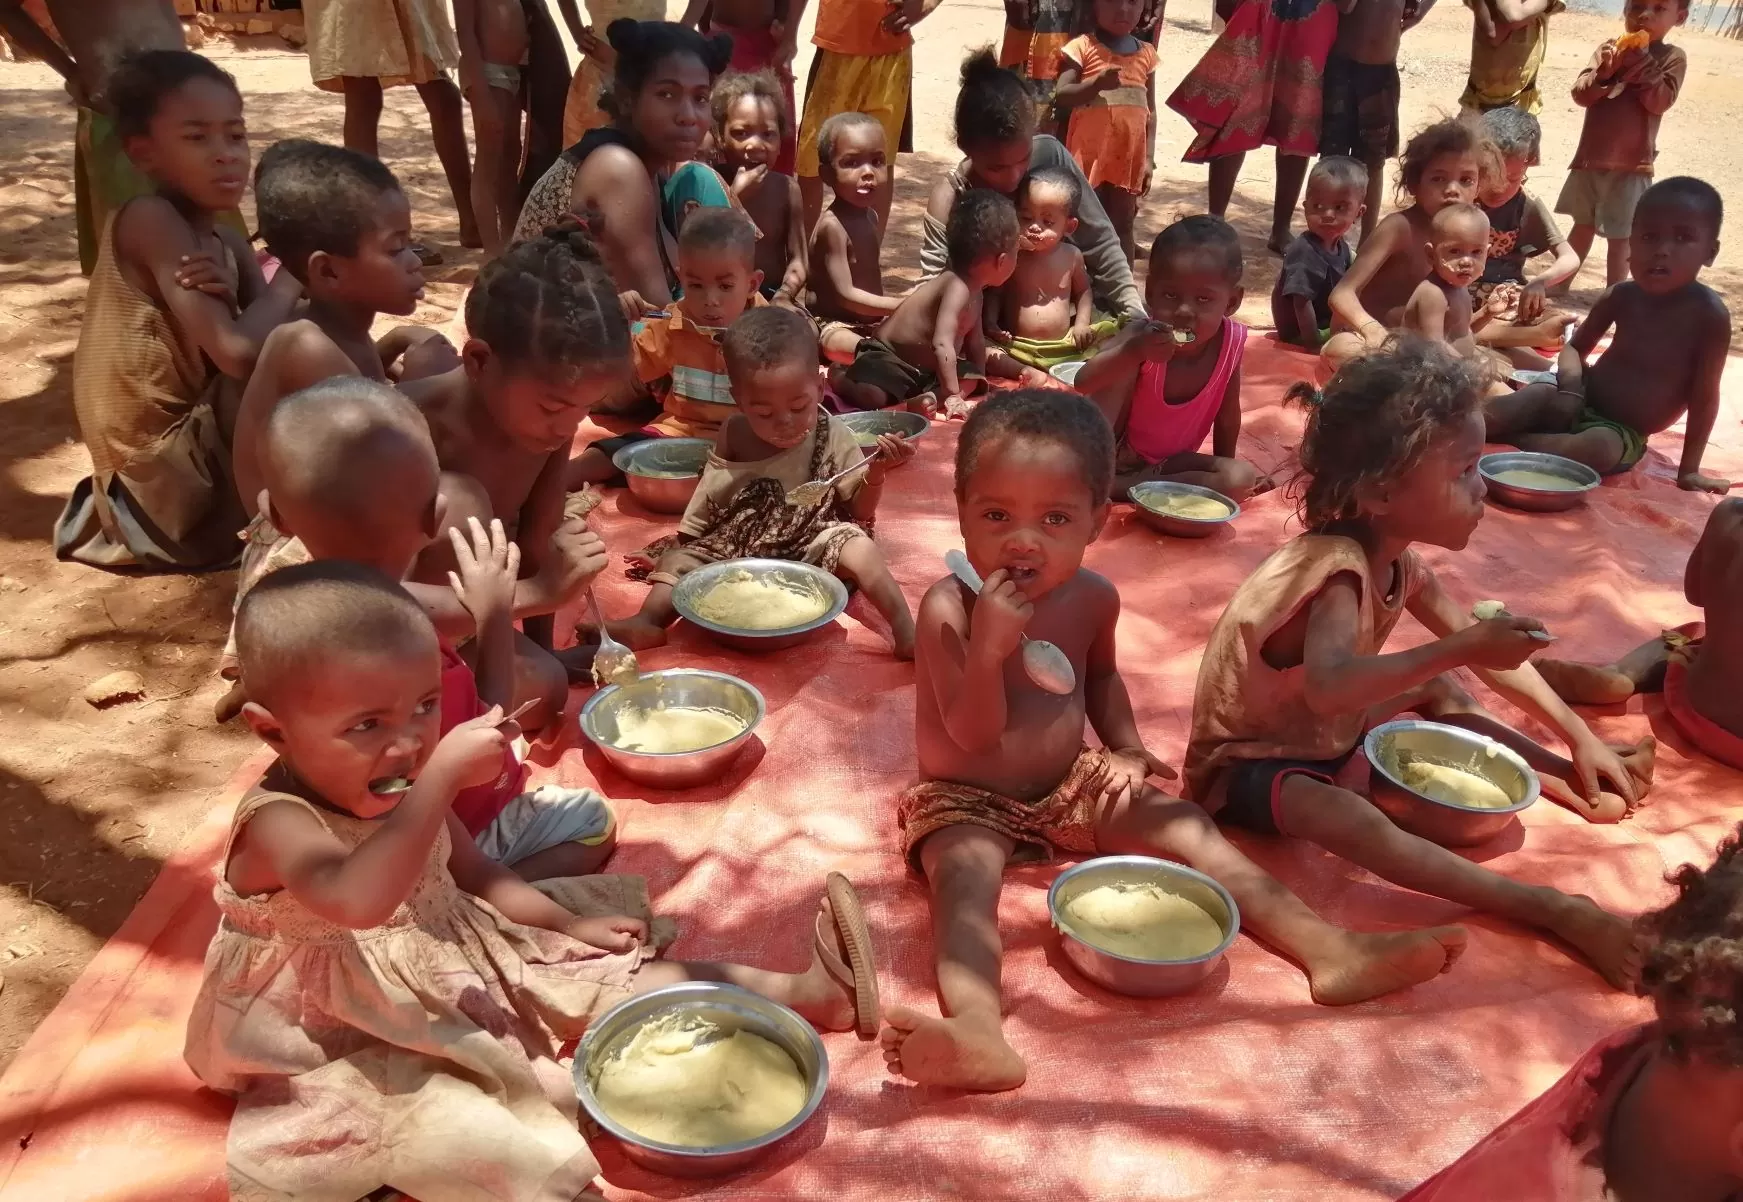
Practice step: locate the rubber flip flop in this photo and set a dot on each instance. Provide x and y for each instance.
(859, 973)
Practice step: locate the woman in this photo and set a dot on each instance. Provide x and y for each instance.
(621, 177)
(1259, 83)
(1001, 150)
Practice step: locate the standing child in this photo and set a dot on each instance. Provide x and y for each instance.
(493, 50)
(1443, 164)
(750, 125)
(1665, 359)
(1625, 91)
(778, 440)
(1045, 313)
(1296, 669)
(156, 346)
(1035, 33)
(1005, 773)
(847, 282)
(1107, 81)
(1508, 42)
(761, 43)
(1163, 395)
(1440, 308)
(1320, 255)
(1359, 110)
(373, 974)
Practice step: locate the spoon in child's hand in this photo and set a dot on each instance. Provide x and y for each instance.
(1045, 664)
(1483, 611)
(613, 663)
(813, 491)
(394, 785)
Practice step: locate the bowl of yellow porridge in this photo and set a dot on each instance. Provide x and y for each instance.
(1183, 510)
(759, 604)
(663, 472)
(1536, 481)
(675, 728)
(701, 1079)
(868, 425)
(1142, 926)
(1447, 784)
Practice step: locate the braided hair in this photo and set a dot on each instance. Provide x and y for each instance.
(549, 302)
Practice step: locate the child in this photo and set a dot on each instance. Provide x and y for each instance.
(1359, 109)
(155, 346)
(1442, 165)
(762, 46)
(750, 125)
(1665, 358)
(1625, 93)
(1107, 81)
(1440, 308)
(1163, 397)
(1695, 666)
(1035, 32)
(1005, 772)
(777, 441)
(1508, 41)
(385, 1003)
(1295, 670)
(1653, 1111)
(493, 49)
(934, 343)
(1320, 255)
(847, 283)
(678, 356)
(1045, 313)
(1521, 227)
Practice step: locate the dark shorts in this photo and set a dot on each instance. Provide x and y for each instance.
(1254, 786)
(1360, 114)
(876, 363)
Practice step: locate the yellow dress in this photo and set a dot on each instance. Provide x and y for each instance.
(582, 112)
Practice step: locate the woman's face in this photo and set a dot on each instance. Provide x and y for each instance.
(1000, 166)
(670, 113)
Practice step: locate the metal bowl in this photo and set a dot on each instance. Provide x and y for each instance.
(1537, 500)
(1123, 974)
(1066, 373)
(673, 687)
(664, 472)
(731, 1009)
(1525, 375)
(868, 425)
(1392, 744)
(800, 575)
(1144, 495)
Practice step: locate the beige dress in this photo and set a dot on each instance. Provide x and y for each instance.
(393, 41)
(420, 1054)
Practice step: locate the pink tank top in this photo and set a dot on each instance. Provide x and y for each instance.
(1157, 430)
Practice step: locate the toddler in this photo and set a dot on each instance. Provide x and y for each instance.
(1319, 256)
(176, 304)
(1625, 92)
(751, 124)
(847, 283)
(1440, 308)
(677, 356)
(1107, 82)
(493, 43)
(1045, 313)
(934, 344)
(384, 1003)
(1296, 669)
(1442, 165)
(1665, 358)
(777, 440)
(1163, 395)
(1005, 772)
(1654, 1111)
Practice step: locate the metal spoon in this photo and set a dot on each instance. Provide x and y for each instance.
(1046, 664)
(613, 663)
(813, 491)
(391, 786)
(1483, 611)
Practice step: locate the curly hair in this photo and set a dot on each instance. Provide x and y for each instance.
(142, 79)
(994, 105)
(771, 336)
(549, 302)
(1454, 135)
(1693, 970)
(310, 196)
(1374, 421)
(735, 86)
(982, 225)
(1066, 418)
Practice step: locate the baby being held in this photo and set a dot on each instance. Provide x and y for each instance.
(1440, 308)
(1045, 313)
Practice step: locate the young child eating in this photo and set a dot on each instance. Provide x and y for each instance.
(1665, 358)
(751, 124)
(1296, 671)
(1320, 255)
(384, 1003)
(934, 344)
(847, 282)
(1005, 772)
(778, 440)
(1166, 383)
(677, 356)
(1440, 308)
(1045, 313)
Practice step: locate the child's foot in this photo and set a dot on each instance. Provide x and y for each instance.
(1279, 242)
(950, 1051)
(636, 634)
(577, 661)
(235, 697)
(1609, 944)
(1585, 684)
(902, 634)
(1640, 760)
(1378, 963)
(839, 992)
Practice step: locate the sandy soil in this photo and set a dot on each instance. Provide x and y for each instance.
(94, 800)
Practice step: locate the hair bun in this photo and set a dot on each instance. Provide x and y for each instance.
(624, 34)
(979, 65)
(576, 234)
(719, 53)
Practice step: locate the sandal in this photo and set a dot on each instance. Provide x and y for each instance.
(843, 926)
(427, 255)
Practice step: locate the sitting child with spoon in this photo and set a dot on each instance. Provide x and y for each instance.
(747, 503)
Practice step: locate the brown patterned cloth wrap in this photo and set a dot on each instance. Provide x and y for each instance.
(1064, 820)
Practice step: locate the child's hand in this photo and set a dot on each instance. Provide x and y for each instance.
(591, 44)
(1127, 769)
(892, 452)
(201, 272)
(487, 567)
(997, 335)
(1083, 335)
(1033, 377)
(1533, 300)
(1596, 764)
(576, 556)
(1107, 79)
(1149, 175)
(1000, 614)
(1499, 302)
(747, 180)
(1698, 482)
(619, 933)
(902, 16)
(472, 83)
(635, 305)
(1499, 644)
(1153, 340)
(471, 753)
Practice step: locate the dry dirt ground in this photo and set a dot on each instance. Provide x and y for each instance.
(94, 800)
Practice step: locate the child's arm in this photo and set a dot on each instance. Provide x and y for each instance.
(1426, 313)
(798, 264)
(830, 247)
(1511, 14)
(520, 903)
(1113, 373)
(1704, 404)
(946, 342)
(1072, 89)
(1082, 302)
(487, 564)
(1346, 298)
(692, 13)
(1721, 533)
(1108, 706)
(1490, 24)
(967, 674)
(974, 347)
(892, 451)
(33, 39)
(1306, 322)
(1593, 84)
(471, 57)
(1658, 81)
(1149, 136)
(1225, 436)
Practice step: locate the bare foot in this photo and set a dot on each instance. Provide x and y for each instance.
(1609, 943)
(1279, 243)
(577, 661)
(950, 1051)
(1585, 684)
(1378, 963)
(820, 997)
(902, 634)
(231, 703)
(1640, 760)
(636, 634)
